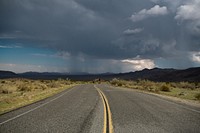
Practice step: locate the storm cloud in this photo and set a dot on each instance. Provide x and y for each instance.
(144, 13)
(93, 35)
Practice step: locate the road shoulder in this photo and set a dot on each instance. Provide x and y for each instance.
(190, 103)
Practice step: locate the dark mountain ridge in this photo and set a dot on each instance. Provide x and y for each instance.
(7, 74)
(41, 73)
(158, 74)
(155, 74)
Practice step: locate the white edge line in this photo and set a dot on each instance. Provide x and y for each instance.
(182, 106)
(15, 117)
(166, 100)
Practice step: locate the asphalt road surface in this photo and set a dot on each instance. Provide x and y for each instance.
(83, 109)
(79, 109)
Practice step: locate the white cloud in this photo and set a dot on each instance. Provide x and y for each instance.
(190, 11)
(41, 55)
(138, 64)
(171, 4)
(196, 57)
(134, 31)
(19, 68)
(154, 11)
(3, 46)
(98, 66)
(157, 10)
(61, 54)
(190, 14)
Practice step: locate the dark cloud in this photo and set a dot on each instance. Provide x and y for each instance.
(104, 29)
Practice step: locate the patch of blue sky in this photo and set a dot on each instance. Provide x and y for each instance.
(10, 52)
(174, 63)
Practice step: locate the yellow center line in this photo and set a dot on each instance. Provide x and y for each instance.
(105, 116)
(108, 126)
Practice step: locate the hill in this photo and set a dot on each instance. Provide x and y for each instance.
(7, 74)
(167, 75)
(155, 74)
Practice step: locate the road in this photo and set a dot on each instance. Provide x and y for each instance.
(102, 108)
(79, 109)
(134, 112)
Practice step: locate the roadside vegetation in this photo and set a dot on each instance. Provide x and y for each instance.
(18, 92)
(15, 93)
(184, 90)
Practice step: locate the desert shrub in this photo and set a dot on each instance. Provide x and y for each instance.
(156, 90)
(68, 82)
(44, 87)
(46, 81)
(118, 82)
(197, 85)
(41, 86)
(165, 88)
(153, 89)
(174, 85)
(114, 81)
(146, 83)
(3, 82)
(5, 90)
(21, 88)
(187, 85)
(25, 87)
(132, 83)
(26, 81)
(53, 84)
(197, 96)
(138, 87)
(43, 81)
(127, 86)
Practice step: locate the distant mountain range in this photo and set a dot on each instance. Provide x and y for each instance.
(156, 74)
(7, 73)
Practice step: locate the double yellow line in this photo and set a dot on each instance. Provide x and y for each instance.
(108, 126)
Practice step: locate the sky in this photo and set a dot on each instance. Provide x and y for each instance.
(98, 36)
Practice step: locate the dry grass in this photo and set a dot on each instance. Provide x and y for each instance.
(197, 96)
(183, 90)
(15, 93)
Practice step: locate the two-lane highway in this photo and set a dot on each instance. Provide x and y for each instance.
(134, 112)
(79, 109)
(102, 108)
